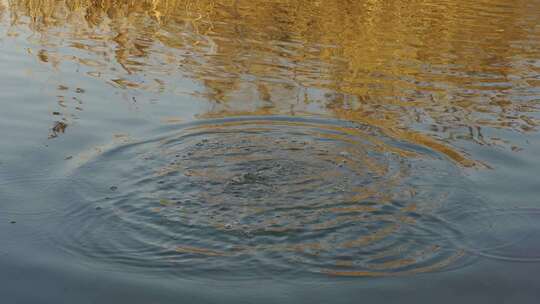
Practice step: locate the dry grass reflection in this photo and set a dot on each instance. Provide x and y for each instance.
(428, 72)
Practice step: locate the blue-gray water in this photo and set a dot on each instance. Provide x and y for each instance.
(272, 151)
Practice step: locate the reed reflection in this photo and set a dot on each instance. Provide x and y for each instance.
(428, 72)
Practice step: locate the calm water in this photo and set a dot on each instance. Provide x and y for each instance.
(269, 151)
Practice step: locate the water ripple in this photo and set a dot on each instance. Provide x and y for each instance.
(271, 196)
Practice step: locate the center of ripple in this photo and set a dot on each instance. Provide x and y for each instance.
(269, 196)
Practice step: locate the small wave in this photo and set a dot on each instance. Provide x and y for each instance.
(270, 196)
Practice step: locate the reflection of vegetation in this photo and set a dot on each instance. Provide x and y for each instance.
(449, 67)
(59, 127)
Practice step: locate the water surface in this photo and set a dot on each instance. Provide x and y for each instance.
(278, 151)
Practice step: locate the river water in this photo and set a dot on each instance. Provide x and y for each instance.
(206, 151)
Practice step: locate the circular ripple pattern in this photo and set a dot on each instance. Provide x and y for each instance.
(270, 196)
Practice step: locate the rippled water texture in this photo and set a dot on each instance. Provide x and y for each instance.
(284, 140)
(425, 71)
(268, 196)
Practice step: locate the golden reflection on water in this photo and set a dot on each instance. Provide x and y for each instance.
(424, 71)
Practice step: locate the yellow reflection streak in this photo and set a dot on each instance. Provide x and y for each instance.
(453, 65)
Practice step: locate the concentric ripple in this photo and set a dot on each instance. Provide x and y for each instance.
(270, 196)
